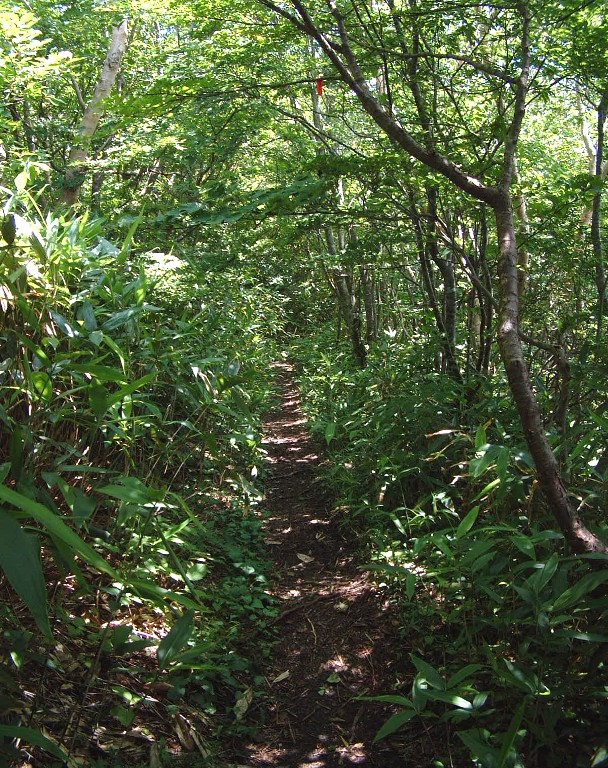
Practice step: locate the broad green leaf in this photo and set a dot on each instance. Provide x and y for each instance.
(116, 397)
(21, 181)
(32, 736)
(176, 639)
(429, 673)
(511, 734)
(98, 398)
(576, 593)
(458, 677)
(120, 318)
(487, 489)
(101, 372)
(588, 637)
(524, 544)
(467, 522)
(126, 246)
(29, 317)
(20, 561)
(450, 698)
(38, 245)
(43, 385)
(600, 758)
(390, 698)
(480, 437)
(330, 431)
(88, 316)
(64, 324)
(131, 489)
(9, 229)
(480, 464)
(410, 585)
(81, 505)
(56, 527)
(161, 596)
(475, 741)
(543, 575)
(394, 723)
(17, 451)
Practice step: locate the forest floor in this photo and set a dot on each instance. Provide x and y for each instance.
(337, 641)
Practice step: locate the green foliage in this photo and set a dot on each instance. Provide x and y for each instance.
(458, 533)
(130, 450)
(135, 349)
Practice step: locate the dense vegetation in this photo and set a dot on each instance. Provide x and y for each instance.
(405, 199)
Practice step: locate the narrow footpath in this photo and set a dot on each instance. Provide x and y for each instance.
(337, 641)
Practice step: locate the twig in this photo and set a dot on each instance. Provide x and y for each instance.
(302, 604)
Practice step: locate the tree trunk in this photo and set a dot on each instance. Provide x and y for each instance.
(368, 285)
(578, 536)
(523, 256)
(76, 171)
(596, 237)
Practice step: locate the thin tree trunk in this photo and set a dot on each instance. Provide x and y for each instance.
(76, 171)
(523, 255)
(578, 536)
(596, 238)
(366, 272)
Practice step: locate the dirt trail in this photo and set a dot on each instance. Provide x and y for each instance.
(335, 629)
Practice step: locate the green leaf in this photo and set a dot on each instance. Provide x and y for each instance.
(450, 698)
(9, 229)
(21, 181)
(429, 673)
(120, 318)
(511, 734)
(87, 314)
(131, 489)
(487, 488)
(98, 399)
(589, 637)
(410, 585)
(42, 385)
(100, 372)
(121, 257)
(524, 544)
(56, 527)
(32, 736)
(330, 431)
(480, 437)
(467, 522)
(176, 639)
(64, 324)
(116, 397)
(475, 741)
(161, 596)
(81, 505)
(600, 758)
(394, 723)
(462, 674)
(489, 455)
(575, 594)
(543, 575)
(20, 561)
(390, 698)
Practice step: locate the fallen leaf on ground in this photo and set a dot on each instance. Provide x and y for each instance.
(282, 676)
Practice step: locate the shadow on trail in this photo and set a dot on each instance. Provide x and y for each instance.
(337, 642)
